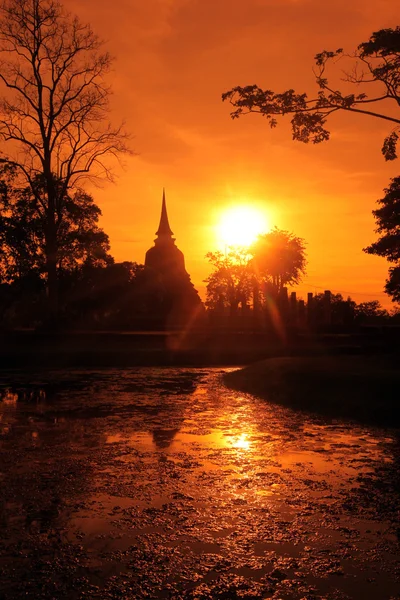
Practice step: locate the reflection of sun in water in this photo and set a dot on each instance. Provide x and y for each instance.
(241, 442)
(240, 225)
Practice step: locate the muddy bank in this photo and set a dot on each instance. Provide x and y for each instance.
(363, 388)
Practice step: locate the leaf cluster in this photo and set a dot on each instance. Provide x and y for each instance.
(375, 66)
(387, 218)
(231, 281)
(276, 259)
(23, 230)
(281, 256)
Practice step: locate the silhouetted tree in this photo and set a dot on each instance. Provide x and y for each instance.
(375, 63)
(54, 115)
(231, 282)
(370, 311)
(388, 245)
(279, 258)
(341, 311)
(395, 314)
(392, 286)
(109, 296)
(23, 222)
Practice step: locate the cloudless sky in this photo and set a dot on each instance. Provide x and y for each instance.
(174, 58)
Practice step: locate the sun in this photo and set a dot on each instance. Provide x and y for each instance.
(240, 225)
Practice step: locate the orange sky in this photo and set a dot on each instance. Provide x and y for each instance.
(174, 58)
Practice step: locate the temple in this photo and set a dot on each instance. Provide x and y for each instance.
(174, 301)
(164, 257)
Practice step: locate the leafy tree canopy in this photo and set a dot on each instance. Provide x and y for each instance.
(375, 74)
(388, 244)
(80, 241)
(279, 256)
(370, 310)
(276, 259)
(230, 284)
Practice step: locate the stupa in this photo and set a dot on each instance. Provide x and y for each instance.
(174, 300)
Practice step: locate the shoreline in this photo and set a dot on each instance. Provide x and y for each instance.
(363, 388)
(174, 348)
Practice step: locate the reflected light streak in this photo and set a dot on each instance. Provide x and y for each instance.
(241, 442)
(9, 398)
(276, 318)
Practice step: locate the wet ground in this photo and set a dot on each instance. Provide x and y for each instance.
(163, 483)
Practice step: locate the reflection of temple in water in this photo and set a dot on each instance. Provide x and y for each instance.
(163, 438)
(172, 296)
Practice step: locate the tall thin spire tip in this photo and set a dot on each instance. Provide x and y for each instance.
(164, 229)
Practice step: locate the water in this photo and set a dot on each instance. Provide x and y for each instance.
(163, 483)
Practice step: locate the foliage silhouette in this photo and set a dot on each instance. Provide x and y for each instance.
(341, 311)
(279, 258)
(372, 310)
(94, 295)
(105, 296)
(54, 114)
(230, 284)
(276, 259)
(375, 63)
(388, 245)
(79, 240)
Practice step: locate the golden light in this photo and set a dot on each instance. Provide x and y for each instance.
(240, 225)
(241, 442)
(9, 398)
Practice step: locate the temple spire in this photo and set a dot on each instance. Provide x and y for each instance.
(164, 230)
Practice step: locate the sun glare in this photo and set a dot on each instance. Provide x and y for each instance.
(240, 225)
(241, 442)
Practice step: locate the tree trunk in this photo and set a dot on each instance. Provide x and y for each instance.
(256, 296)
(233, 306)
(275, 281)
(51, 271)
(51, 254)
